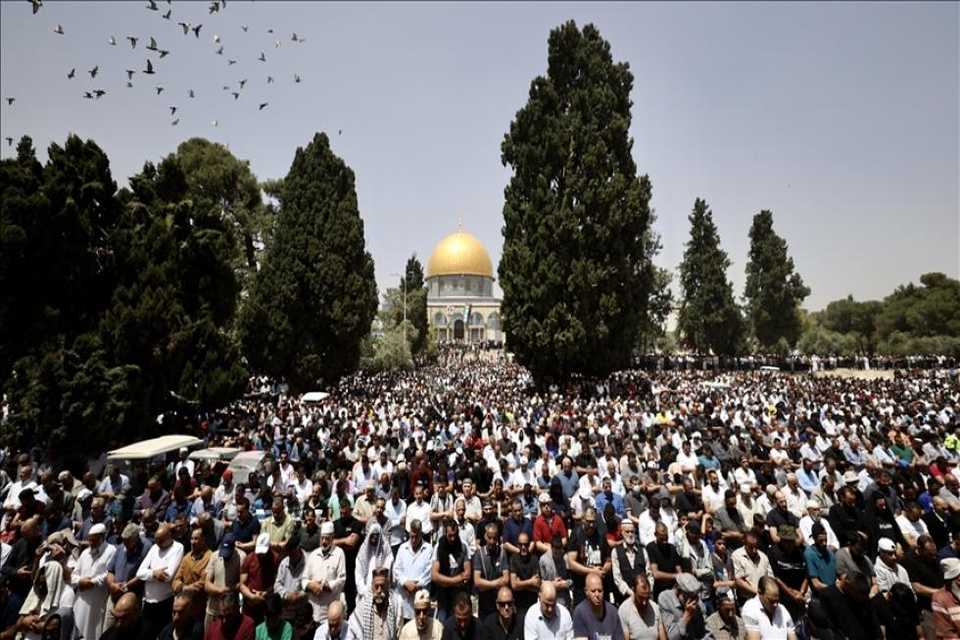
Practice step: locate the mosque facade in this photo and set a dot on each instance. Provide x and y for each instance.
(460, 301)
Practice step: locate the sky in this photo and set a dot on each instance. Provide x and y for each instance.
(841, 118)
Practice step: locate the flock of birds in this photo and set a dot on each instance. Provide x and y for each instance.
(153, 46)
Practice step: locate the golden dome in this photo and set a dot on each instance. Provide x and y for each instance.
(459, 254)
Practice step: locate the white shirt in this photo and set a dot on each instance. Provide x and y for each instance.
(167, 559)
(183, 463)
(745, 476)
(755, 618)
(712, 500)
(396, 515)
(536, 627)
(911, 530)
(887, 577)
(419, 512)
(806, 529)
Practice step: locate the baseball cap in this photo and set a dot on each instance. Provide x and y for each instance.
(544, 498)
(227, 546)
(886, 545)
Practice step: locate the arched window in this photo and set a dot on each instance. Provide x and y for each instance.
(476, 319)
(493, 321)
(439, 319)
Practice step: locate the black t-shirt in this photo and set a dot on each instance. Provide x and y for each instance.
(855, 620)
(343, 528)
(667, 560)
(791, 567)
(592, 551)
(525, 568)
(490, 568)
(688, 503)
(925, 572)
(777, 518)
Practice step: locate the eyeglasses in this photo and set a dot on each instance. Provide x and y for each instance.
(505, 603)
(421, 612)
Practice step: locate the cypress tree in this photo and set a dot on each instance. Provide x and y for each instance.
(708, 318)
(315, 296)
(575, 271)
(774, 291)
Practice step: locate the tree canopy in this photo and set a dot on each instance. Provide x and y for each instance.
(576, 272)
(315, 296)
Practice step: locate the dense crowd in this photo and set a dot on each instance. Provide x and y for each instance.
(459, 502)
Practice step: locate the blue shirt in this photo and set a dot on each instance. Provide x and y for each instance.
(245, 532)
(821, 565)
(614, 499)
(808, 481)
(512, 529)
(124, 565)
(569, 485)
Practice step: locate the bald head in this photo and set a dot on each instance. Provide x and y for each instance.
(126, 610)
(335, 614)
(594, 581)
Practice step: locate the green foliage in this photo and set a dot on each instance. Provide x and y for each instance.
(315, 296)
(774, 291)
(576, 271)
(416, 303)
(390, 352)
(708, 318)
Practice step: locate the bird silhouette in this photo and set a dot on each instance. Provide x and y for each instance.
(216, 39)
(72, 73)
(152, 5)
(185, 26)
(276, 44)
(269, 79)
(243, 82)
(149, 70)
(88, 95)
(112, 41)
(130, 73)
(175, 122)
(226, 87)
(214, 123)
(10, 101)
(339, 132)
(236, 95)
(269, 30)
(129, 85)
(10, 140)
(244, 27)
(263, 105)
(153, 44)
(214, 7)
(36, 5)
(166, 16)
(163, 53)
(262, 57)
(220, 51)
(58, 30)
(133, 42)
(173, 110)
(93, 72)
(99, 93)
(296, 78)
(196, 30)
(159, 89)
(190, 93)
(294, 37)
(231, 62)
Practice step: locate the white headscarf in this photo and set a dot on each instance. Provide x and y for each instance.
(370, 558)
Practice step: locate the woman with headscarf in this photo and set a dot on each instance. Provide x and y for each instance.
(374, 554)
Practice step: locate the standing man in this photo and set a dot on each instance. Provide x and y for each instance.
(587, 551)
(157, 571)
(451, 570)
(680, 607)
(639, 616)
(325, 574)
(490, 571)
(223, 578)
(88, 581)
(348, 535)
(595, 618)
(504, 623)
(411, 569)
(548, 620)
(524, 575)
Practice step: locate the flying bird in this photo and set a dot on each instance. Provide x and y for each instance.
(190, 93)
(149, 69)
(196, 30)
(263, 105)
(244, 27)
(130, 73)
(10, 101)
(58, 30)
(214, 7)
(269, 79)
(93, 72)
(226, 87)
(173, 110)
(112, 41)
(159, 89)
(220, 51)
(10, 140)
(72, 73)
(262, 57)
(166, 16)
(269, 30)
(216, 39)
(99, 93)
(243, 82)
(133, 42)
(36, 5)
(175, 122)
(152, 5)
(296, 78)
(153, 44)
(129, 85)
(88, 95)
(294, 37)
(214, 123)
(339, 132)
(231, 62)
(235, 95)
(185, 26)
(163, 53)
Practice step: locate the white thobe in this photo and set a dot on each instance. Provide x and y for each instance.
(90, 606)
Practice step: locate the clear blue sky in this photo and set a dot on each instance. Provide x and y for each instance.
(840, 117)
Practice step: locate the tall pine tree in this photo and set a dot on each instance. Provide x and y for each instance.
(315, 296)
(416, 294)
(708, 319)
(575, 271)
(774, 291)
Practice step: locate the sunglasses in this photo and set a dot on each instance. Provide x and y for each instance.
(421, 612)
(506, 603)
